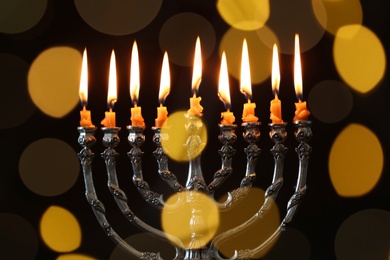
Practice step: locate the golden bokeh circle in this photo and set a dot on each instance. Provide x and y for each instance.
(244, 15)
(356, 161)
(54, 80)
(60, 229)
(175, 137)
(195, 221)
(359, 57)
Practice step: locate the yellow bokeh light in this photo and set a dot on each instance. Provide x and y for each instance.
(355, 161)
(174, 146)
(244, 15)
(53, 80)
(260, 52)
(75, 257)
(255, 234)
(337, 13)
(359, 57)
(60, 229)
(194, 222)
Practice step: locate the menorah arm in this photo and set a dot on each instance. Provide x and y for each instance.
(87, 139)
(303, 134)
(121, 200)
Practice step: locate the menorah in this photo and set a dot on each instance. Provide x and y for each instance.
(196, 248)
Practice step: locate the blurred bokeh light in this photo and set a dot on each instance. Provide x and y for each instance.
(178, 36)
(49, 167)
(359, 57)
(355, 161)
(330, 101)
(16, 106)
(117, 17)
(20, 15)
(174, 146)
(244, 15)
(53, 80)
(364, 235)
(18, 238)
(337, 13)
(60, 229)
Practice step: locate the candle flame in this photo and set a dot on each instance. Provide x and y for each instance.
(165, 83)
(197, 70)
(275, 71)
(245, 83)
(112, 83)
(297, 69)
(223, 86)
(134, 75)
(83, 92)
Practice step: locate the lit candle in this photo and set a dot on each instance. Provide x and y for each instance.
(136, 115)
(301, 112)
(109, 119)
(224, 93)
(276, 104)
(195, 107)
(85, 115)
(248, 114)
(165, 83)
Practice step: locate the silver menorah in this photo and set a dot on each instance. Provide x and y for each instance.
(196, 248)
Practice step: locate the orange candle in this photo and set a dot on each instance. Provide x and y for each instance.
(276, 104)
(135, 112)
(248, 114)
(195, 107)
(85, 115)
(224, 93)
(109, 119)
(162, 116)
(165, 85)
(301, 112)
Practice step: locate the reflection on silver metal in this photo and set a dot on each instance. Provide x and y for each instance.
(195, 181)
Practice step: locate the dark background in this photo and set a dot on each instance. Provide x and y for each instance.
(322, 211)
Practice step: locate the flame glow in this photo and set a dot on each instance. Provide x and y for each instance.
(112, 88)
(245, 83)
(223, 86)
(297, 69)
(275, 71)
(83, 92)
(197, 70)
(165, 83)
(134, 75)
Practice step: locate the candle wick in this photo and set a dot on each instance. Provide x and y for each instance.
(135, 103)
(110, 109)
(276, 96)
(194, 94)
(228, 109)
(161, 104)
(249, 100)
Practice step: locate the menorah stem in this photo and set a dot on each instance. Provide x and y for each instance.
(194, 146)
